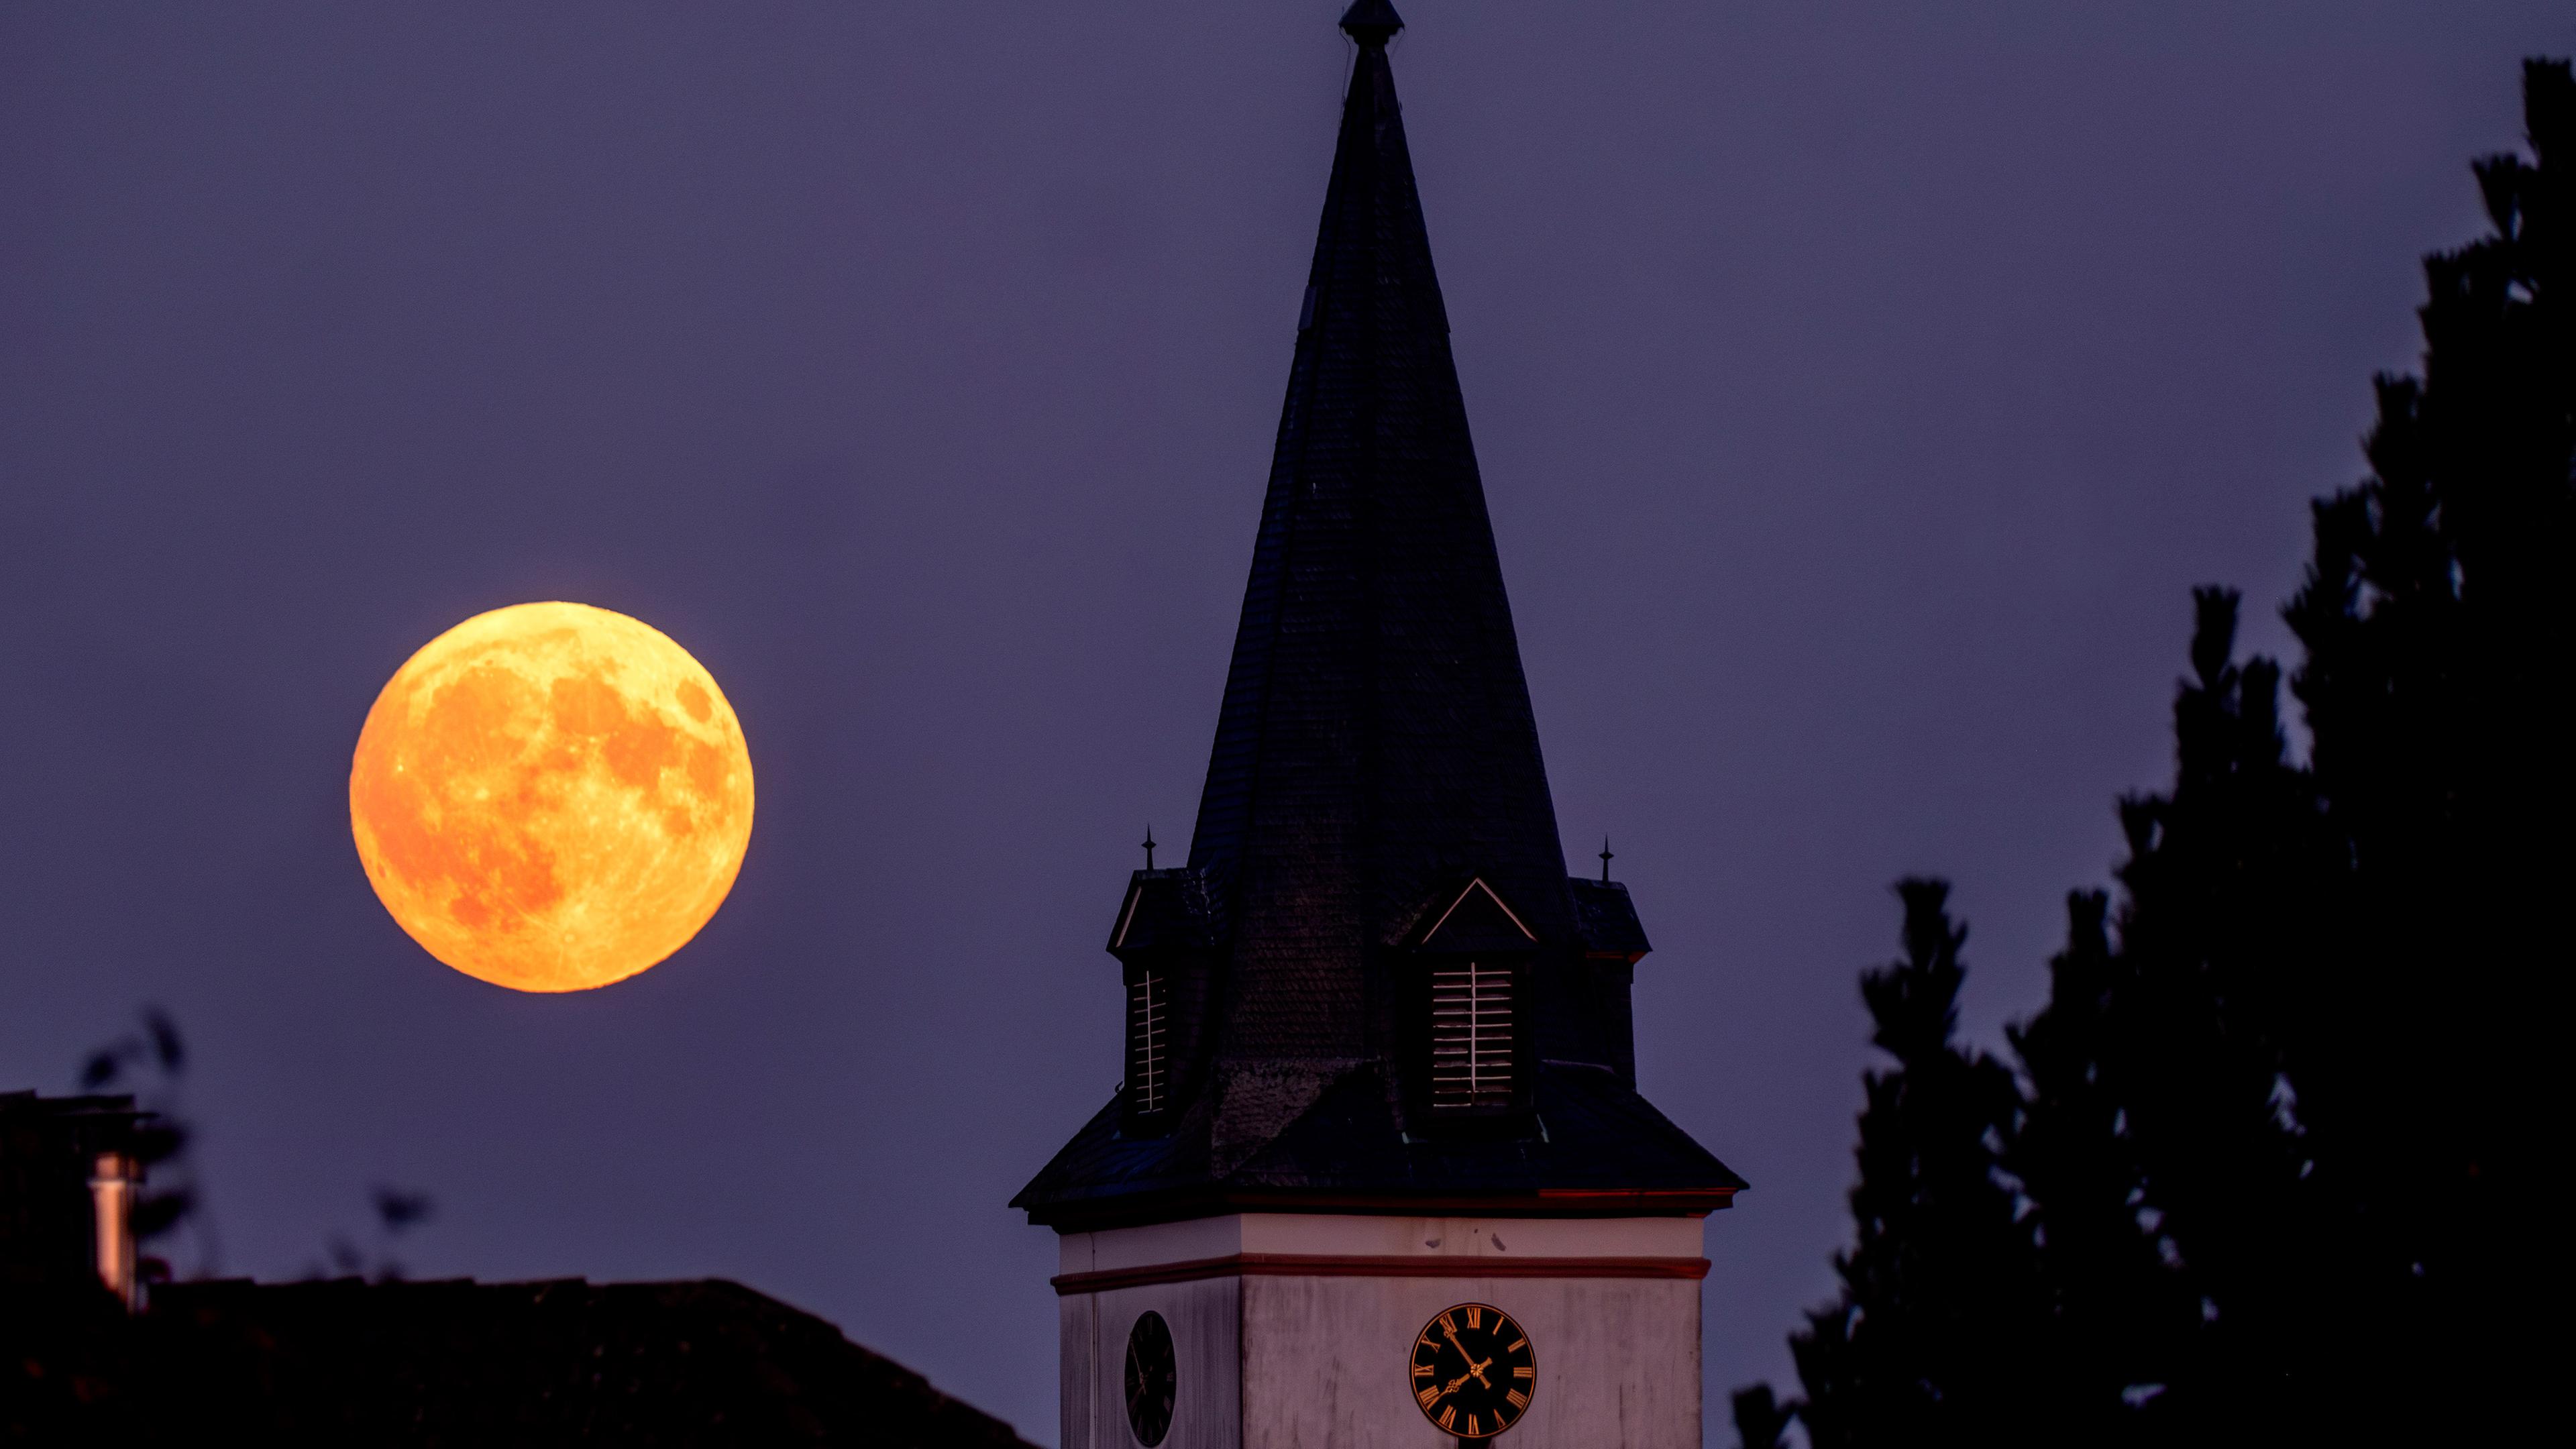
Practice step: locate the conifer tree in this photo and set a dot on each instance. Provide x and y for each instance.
(1761, 1420)
(2121, 1317)
(2274, 1172)
(1933, 1335)
(2440, 638)
(2182, 1028)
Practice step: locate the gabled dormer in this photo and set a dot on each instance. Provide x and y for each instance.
(1163, 940)
(1468, 981)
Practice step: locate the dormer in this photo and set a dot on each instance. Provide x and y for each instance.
(1597, 1023)
(1469, 988)
(1162, 940)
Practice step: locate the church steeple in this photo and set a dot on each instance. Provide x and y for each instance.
(1374, 980)
(1379, 1055)
(1376, 745)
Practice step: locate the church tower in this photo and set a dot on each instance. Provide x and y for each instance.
(1379, 1173)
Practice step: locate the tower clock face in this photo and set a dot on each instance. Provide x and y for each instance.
(1473, 1371)
(1153, 1378)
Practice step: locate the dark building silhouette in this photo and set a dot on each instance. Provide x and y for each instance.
(88, 1355)
(1373, 994)
(68, 1167)
(460, 1362)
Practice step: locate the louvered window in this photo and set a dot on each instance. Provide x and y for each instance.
(1471, 1036)
(1148, 1050)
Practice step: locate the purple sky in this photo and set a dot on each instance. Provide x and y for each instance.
(1859, 393)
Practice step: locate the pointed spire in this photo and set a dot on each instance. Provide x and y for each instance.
(1371, 22)
(1376, 745)
(1376, 765)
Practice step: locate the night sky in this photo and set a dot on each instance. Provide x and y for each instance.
(1859, 388)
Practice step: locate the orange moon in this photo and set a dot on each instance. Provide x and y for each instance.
(551, 797)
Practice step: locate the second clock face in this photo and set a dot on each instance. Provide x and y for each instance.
(1153, 1379)
(1473, 1371)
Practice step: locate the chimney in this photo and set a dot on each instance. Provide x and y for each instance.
(69, 1174)
(113, 1177)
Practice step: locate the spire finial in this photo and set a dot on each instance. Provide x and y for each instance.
(1149, 847)
(1371, 22)
(1606, 858)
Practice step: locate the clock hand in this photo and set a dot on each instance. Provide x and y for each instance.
(1454, 1343)
(1474, 1371)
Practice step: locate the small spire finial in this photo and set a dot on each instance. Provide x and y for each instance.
(1149, 847)
(1371, 22)
(1606, 858)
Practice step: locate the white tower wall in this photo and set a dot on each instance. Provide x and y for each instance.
(1293, 1330)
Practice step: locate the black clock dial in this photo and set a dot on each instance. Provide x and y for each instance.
(1473, 1371)
(1153, 1379)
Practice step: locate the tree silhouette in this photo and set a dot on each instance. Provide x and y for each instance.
(1761, 1420)
(2271, 1168)
(155, 1060)
(398, 1211)
(2182, 1028)
(2122, 1315)
(2440, 636)
(1932, 1336)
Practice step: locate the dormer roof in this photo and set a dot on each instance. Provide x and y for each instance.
(1475, 919)
(1164, 910)
(1607, 921)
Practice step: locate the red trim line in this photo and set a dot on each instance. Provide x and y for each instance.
(1327, 1265)
(1552, 1203)
(1646, 1197)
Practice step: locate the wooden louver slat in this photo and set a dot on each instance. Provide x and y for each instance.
(1471, 1036)
(1148, 1059)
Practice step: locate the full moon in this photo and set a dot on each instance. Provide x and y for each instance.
(551, 797)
